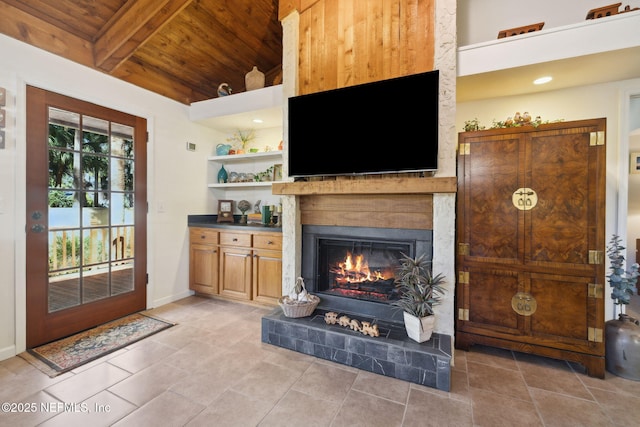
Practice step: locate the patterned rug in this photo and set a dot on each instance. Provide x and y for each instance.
(69, 353)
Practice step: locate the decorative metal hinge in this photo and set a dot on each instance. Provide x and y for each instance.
(463, 314)
(596, 138)
(596, 291)
(463, 277)
(464, 149)
(463, 249)
(595, 334)
(596, 257)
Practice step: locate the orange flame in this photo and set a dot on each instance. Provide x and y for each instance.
(354, 271)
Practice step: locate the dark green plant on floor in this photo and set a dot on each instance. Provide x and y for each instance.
(623, 283)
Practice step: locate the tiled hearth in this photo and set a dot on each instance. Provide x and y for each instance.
(392, 353)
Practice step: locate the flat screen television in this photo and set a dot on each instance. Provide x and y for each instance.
(386, 126)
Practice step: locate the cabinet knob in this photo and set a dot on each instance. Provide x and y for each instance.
(202, 236)
(235, 239)
(269, 242)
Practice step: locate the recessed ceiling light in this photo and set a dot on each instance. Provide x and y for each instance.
(258, 121)
(542, 80)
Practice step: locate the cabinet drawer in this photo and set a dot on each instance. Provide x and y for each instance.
(267, 242)
(203, 235)
(235, 239)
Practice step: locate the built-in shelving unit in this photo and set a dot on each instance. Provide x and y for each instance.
(229, 113)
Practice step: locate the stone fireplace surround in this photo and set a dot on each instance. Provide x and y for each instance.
(392, 353)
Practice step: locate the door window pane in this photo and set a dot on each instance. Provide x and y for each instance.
(91, 209)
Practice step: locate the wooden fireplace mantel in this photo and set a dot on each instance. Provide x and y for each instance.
(401, 185)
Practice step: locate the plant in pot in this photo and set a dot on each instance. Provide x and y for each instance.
(241, 138)
(622, 335)
(419, 292)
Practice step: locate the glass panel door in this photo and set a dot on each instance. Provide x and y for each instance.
(86, 215)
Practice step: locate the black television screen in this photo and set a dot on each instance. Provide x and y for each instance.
(380, 127)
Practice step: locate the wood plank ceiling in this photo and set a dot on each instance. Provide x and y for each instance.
(181, 49)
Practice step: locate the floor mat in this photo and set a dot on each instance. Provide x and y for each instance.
(69, 353)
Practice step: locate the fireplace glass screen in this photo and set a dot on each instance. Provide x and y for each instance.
(360, 269)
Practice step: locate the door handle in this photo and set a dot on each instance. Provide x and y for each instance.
(38, 228)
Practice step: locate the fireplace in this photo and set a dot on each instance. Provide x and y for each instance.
(352, 269)
(352, 204)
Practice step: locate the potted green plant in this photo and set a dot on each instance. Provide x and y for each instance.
(419, 292)
(622, 335)
(242, 138)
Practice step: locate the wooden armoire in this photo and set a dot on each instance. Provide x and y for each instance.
(531, 240)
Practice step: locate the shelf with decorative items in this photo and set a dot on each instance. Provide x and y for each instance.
(247, 170)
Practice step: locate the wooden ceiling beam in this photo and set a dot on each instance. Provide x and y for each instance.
(157, 82)
(130, 28)
(36, 32)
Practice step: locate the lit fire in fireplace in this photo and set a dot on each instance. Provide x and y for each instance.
(352, 277)
(356, 271)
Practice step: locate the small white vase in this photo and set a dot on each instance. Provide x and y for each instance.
(254, 79)
(419, 329)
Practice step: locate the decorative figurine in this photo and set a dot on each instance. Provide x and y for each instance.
(224, 89)
(243, 206)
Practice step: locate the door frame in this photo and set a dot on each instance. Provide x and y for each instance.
(623, 179)
(20, 209)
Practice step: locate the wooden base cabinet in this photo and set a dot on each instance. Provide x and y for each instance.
(267, 268)
(203, 260)
(235, 265)
(531, 241)
(242, 265)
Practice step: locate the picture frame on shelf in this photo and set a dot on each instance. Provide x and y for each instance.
(634, 163)
(277, 172)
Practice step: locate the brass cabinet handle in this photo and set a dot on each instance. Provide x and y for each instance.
(524, 199)
(524, 304)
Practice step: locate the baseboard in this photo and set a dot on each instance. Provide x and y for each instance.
(171, 298)
(7, 352)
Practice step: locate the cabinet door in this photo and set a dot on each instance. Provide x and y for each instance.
(267, 276)
(203, 268)
(235, 272)
(566, 170)
(489, 171)
(485, 297)
(203, 260)
(569, 312)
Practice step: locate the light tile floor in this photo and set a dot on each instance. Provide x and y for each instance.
(211, 369)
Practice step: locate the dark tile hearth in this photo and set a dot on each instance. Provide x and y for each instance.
(392, 353)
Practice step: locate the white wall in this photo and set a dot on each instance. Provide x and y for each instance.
(603, 100)
(482, 20)
(177, 178)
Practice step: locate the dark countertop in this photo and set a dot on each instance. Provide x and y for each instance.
(210, 221)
